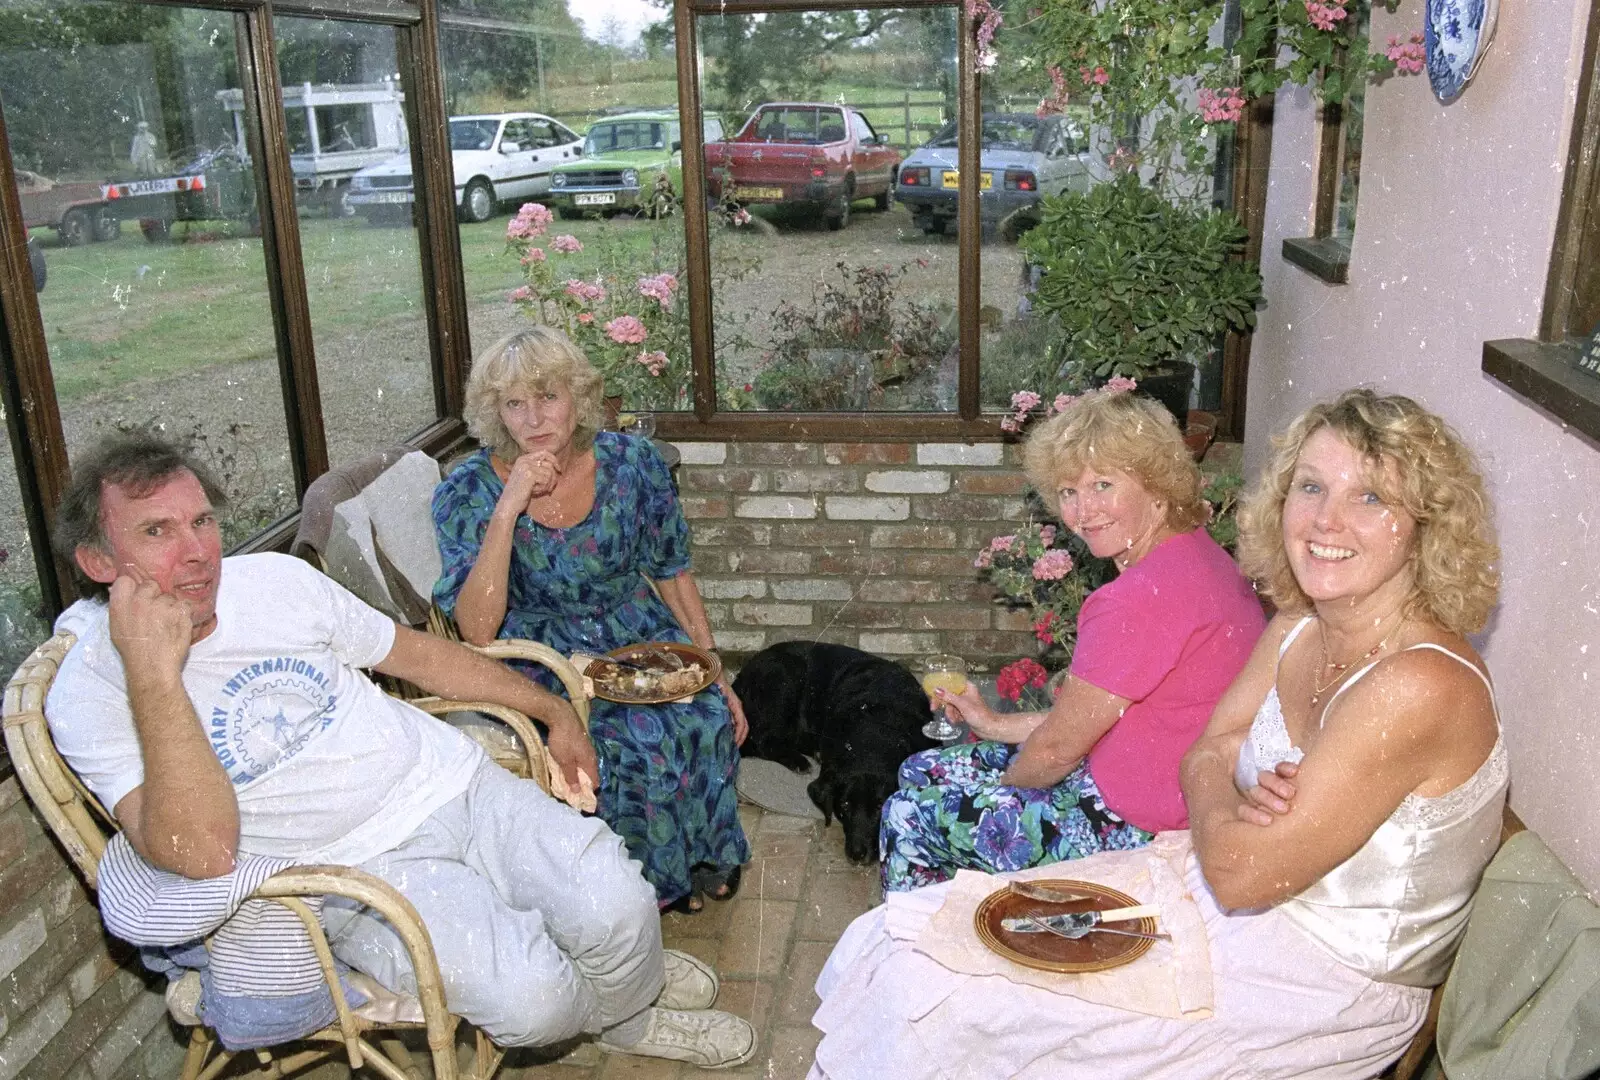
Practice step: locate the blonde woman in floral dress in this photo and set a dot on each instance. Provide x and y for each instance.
(1156, 648)
(554, 532)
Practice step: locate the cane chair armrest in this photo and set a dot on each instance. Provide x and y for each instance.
(535, 757)
(570, 676)
(71, 811)
(293, 886)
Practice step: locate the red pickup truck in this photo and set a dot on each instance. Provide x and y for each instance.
(804, 153)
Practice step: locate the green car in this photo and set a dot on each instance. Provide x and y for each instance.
(624, 160)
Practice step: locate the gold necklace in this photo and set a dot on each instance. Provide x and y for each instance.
(1340, 669)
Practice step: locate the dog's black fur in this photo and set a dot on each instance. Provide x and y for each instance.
(859, 715)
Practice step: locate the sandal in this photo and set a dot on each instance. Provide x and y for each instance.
(690, 903)
(720, 885)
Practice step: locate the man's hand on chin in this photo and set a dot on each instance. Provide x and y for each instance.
(151, 629)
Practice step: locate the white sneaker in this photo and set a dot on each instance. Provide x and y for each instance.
(691, 982)
(704, 1037)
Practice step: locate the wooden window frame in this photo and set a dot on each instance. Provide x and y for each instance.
(1323, 254)
(27, 387)
(1543, 369)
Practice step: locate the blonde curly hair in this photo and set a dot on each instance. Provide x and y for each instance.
(534, 359)
(1435, 479)
(1120, 431)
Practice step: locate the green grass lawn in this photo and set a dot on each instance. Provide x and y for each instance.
(129, 311)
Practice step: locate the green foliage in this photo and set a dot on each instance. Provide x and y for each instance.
(1013, 563)
(1222, 492)
(840, 351)
(1135, 281)
(22, 621)
(1135, 64)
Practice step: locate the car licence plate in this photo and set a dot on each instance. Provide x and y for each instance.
(758, 193)
(952, 179)
(388, 197)
(599, 199)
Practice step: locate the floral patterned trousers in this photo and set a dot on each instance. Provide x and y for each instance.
(952, 811)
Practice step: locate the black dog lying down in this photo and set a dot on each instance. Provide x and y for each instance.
(858, 714)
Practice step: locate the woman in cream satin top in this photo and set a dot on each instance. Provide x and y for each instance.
(1354, 773)
(1343, 801)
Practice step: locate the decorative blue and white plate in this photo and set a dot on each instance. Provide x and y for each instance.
(1457, 34)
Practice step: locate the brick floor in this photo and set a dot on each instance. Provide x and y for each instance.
(768, 944)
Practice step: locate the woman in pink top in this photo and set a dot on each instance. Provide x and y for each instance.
(1156, 648)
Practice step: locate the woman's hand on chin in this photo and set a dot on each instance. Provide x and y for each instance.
(533, 476)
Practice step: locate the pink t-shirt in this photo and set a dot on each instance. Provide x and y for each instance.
(1169, 634)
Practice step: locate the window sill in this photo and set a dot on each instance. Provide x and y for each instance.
(1545, 374)
(1321, 256)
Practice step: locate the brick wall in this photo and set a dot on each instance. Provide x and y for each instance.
(74, 1004)
(864, 544)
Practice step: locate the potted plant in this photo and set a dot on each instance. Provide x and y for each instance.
(1138, 284)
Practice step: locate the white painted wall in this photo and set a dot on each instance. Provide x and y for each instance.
(1455, 219)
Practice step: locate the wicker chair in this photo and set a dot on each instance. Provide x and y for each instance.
(82, 825)
(311, 544)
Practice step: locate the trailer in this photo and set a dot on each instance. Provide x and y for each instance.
(334, 130)
(76, 209)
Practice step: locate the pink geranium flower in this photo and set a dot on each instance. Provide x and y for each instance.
(1119, 384)
(1053, 565)
(534, 255)
(1326, 16)
(567, 244)
(1057, 101)
(658, 287)
(1409, 56)
(531, 221)
(1223, 106)
(626, 330)
(655, 361)
(585, 318)
(522, 292)
(587, 292)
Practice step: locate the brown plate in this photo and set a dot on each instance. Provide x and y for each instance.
(654, 655)
(1046, 951)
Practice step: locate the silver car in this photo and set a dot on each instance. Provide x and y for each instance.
(1022, 157)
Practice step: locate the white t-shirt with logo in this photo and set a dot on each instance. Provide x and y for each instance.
(326, 767)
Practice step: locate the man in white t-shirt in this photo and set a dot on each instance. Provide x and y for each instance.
(218, 706)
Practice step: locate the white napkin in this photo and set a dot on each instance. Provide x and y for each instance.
(1172, 980)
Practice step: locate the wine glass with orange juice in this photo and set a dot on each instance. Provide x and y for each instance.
(947, 673)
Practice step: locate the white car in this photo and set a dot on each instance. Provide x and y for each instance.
(502, 157)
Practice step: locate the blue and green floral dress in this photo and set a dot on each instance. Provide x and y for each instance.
(666, 771)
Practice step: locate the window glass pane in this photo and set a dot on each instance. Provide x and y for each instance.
(1351, 122)
(22, 621)
(141, 202)
(828, 291)
(357, 237)
(1049, 142)
(598, 99)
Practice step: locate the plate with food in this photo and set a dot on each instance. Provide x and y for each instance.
(1020, 905)
(652, 672)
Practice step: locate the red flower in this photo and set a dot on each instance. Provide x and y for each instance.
(1016, 677)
